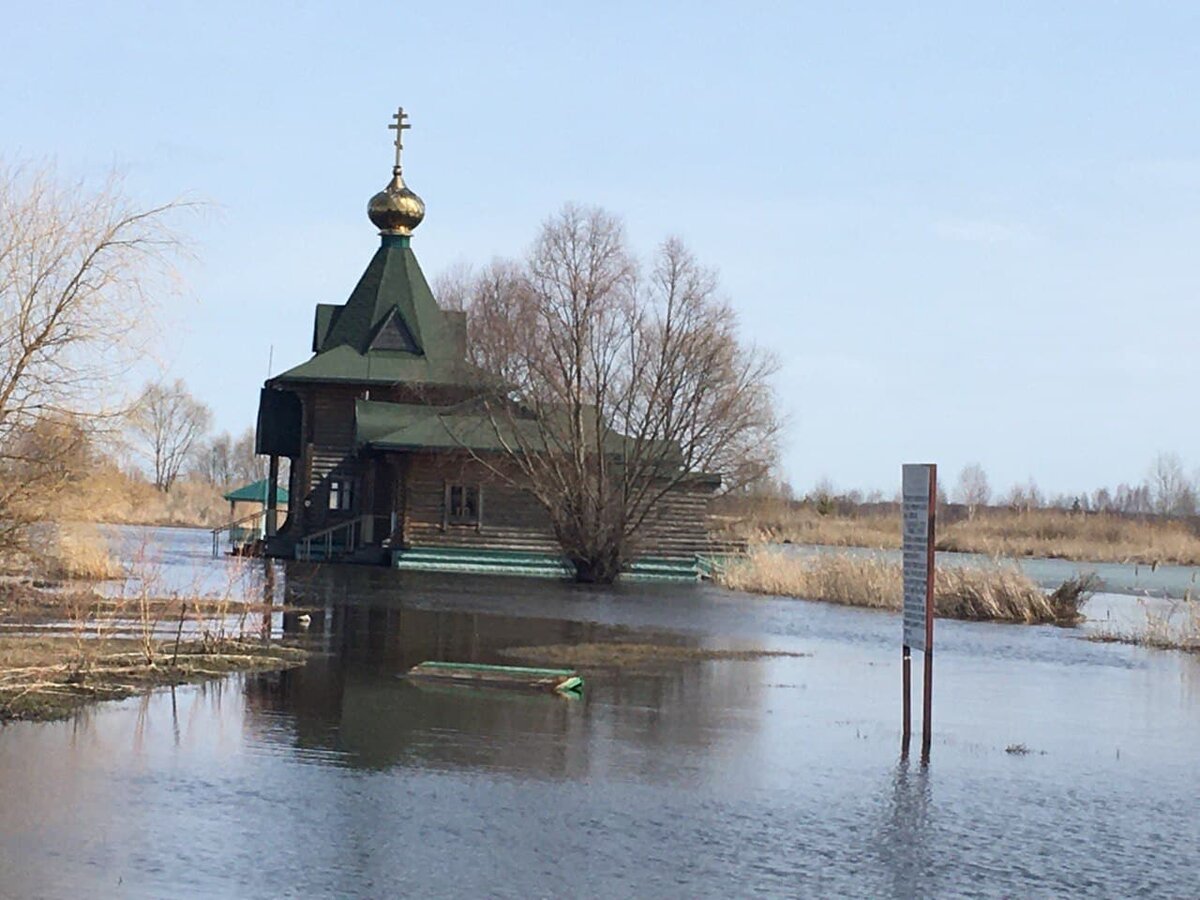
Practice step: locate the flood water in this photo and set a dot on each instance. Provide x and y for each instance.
(776, 777)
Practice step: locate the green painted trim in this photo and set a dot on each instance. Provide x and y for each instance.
(538, 565)
(571, 686)
(488, 667)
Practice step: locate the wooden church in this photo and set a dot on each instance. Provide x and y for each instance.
(377, 476)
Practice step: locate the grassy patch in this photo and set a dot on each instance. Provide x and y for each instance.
(630, 655)
(48, 677)
(66, 648)
(991, 592)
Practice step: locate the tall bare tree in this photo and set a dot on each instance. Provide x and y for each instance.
(168, 423)
(78, 269)
(973, 490)
(1173, 494)
(618, 387)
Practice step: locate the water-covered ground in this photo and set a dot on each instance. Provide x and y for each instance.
(772, 777)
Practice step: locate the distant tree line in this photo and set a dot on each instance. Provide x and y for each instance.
(1166, 490)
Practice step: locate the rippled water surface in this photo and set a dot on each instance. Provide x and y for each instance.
(771, 777)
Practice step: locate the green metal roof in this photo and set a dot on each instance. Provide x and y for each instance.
(390, 329)
(256, 492)
(404, 426)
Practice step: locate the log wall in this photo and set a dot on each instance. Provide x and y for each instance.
(511, 519)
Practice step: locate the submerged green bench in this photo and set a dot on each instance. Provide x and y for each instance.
(563, 681)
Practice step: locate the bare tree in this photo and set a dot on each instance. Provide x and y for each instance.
(212, 460)
(77, 269)
(168, 422)
(245, 464)
(616, 389)
(1172, 494)
(222, 461)
(973, 490)
(1023, 497)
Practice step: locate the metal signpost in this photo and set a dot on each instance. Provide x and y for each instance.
(919, 496)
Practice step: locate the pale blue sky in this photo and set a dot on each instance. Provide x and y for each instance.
(969, 230)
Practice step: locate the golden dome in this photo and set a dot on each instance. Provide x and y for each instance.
(396, 209)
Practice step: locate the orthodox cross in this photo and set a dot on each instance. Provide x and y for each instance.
(399, 127)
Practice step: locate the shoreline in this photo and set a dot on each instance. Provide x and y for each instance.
(63, 649)
(44, 679)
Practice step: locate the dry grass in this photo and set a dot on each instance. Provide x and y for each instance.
(78, 551)
(631, 656)
(47, 677)
(69, 647)
(109, 495)
(992, 592)
(1176, 629)
(1096, 537)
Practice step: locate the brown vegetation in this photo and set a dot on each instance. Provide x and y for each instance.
(600, 655)
(38, 680)
(1054, 533)
(993, 591)
(66, 648)
(78, 551)
(112, 496)
(1176, 629)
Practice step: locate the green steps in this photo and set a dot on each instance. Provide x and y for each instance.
(532, 564)
(499, 562)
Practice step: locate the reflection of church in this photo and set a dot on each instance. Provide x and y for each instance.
(349, 699)
(386, 443)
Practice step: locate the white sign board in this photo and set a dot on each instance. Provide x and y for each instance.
(918, 481)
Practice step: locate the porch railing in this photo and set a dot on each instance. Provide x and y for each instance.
(344, 538)
(242, 532)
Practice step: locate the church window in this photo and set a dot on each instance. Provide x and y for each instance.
(341, 493)
(462, 504)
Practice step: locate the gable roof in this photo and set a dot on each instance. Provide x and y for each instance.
(389, 330)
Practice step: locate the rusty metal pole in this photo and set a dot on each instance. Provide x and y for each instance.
(927, 705)
(906, 702)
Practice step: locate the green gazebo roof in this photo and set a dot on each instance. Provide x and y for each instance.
(256, 492)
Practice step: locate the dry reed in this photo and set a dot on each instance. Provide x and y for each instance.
(993, 591)
(1167, 630)
(1052, 533)
(78, 551)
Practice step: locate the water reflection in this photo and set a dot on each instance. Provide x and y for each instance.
(351, 700)
(698, 779)
(903, 837)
